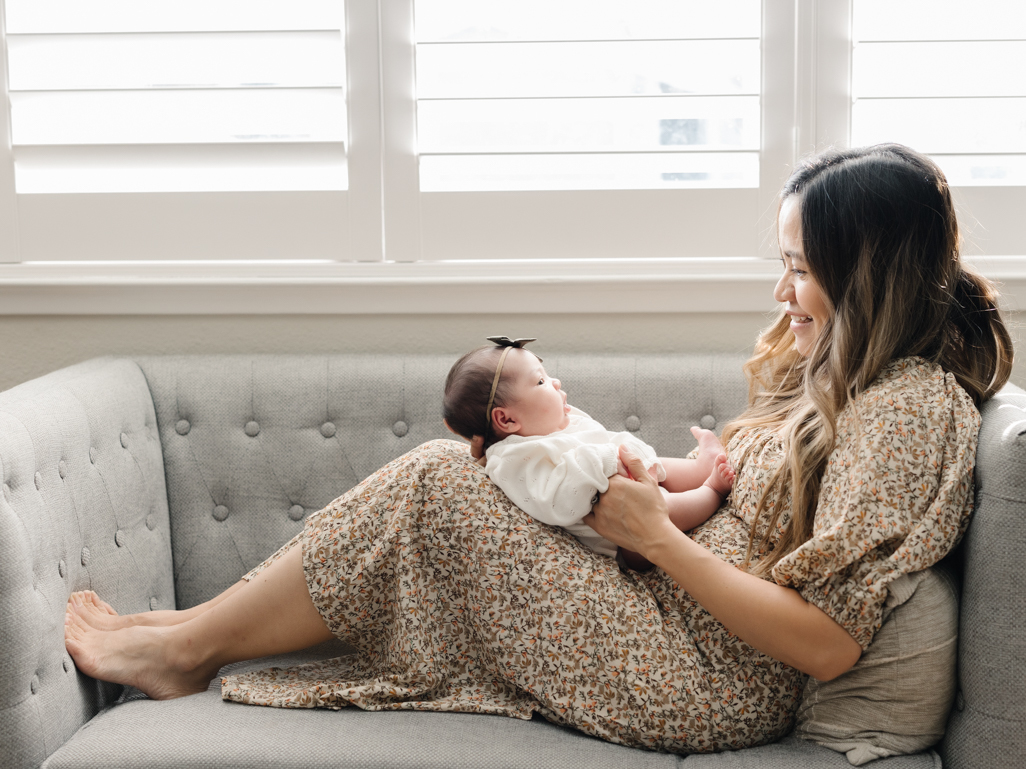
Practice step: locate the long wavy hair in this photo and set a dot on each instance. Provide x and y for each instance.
(881, 240)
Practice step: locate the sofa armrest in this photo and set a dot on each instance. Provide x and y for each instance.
(83, 506)
(987, 726)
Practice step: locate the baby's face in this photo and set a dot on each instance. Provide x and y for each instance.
(539, 402)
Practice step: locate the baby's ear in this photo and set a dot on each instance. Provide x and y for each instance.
(504, 421)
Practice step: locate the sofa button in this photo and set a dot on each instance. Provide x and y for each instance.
(124, 441)
(34, 686)
(66, 664)
(400, 428)
(632, 423)
(182, 427)
(708, 422)
(61, 568)
(154, 604)
(296, 512)
(220, 513)
(119, 538)
(62, 468)
(151, 521)
(39, 481)
(85, 556)
(328, 429)
(252, 429)
(92, 455)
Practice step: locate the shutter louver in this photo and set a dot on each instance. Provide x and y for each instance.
(123, 96)
(947, 78)
(599, 95)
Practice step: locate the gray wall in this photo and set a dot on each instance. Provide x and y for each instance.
(34, 345)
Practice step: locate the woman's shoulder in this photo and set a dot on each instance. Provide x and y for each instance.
(911, 390)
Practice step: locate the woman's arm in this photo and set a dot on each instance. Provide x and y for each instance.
(775, 620)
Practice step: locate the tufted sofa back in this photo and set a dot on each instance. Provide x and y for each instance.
(83, 507)
(253, 443)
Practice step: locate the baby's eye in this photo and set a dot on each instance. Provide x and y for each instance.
(541, 381)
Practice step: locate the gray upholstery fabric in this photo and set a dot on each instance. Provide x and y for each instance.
(83, 506)
(794, 753)
(203, 731)
(987, 726)
(320, 424)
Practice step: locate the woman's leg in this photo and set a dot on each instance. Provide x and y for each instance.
(102, 616)
(272, 614)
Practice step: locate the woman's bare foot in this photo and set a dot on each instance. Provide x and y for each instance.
(721, 479)
(709, 448)
(97, 613)
(101, 615)
(135, 656)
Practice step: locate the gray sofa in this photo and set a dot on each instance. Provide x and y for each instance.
(159, 481)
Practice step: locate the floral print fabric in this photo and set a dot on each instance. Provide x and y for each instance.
(455, 600)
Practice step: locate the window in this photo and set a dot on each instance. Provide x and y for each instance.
(586, 95)
(549, 140)
(946, 77)
(177, 130)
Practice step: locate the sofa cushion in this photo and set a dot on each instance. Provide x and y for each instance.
(204, 731)
(897, 697)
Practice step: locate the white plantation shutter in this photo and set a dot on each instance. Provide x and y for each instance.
(582, 128)
(220, 124)
(948, 77)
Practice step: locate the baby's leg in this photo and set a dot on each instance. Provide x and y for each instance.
(687, 474)
(690, 508)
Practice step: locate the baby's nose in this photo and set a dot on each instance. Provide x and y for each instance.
(557, 384)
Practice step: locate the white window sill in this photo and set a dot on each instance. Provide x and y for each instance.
(741, 284)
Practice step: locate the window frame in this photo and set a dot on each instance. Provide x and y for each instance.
(375, 264)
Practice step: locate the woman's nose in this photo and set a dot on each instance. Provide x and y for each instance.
(783, 291)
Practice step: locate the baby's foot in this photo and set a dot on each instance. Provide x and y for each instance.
(709, 447)
(721, 479)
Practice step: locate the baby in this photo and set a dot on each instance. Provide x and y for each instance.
(553, 460)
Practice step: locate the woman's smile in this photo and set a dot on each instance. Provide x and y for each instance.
(802, 297)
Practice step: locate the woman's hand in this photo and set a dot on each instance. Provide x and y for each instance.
(774, 619)
(632, 513)
(477, 450)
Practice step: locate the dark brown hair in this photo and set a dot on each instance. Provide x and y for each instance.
(881, 241)
(465, 403)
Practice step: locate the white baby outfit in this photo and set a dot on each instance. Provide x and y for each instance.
(553, 478)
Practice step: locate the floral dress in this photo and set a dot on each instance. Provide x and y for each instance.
(455, 600)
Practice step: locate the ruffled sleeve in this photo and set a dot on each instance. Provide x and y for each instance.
(896, 494)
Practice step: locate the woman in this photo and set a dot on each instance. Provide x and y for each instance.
(854, 465)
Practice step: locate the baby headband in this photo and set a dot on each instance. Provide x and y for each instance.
(508, 344)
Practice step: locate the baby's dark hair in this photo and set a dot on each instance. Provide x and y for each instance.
(465, 404)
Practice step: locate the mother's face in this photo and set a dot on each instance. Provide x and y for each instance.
(804, 300)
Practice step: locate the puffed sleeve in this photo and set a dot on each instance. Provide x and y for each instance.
(896, 496)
